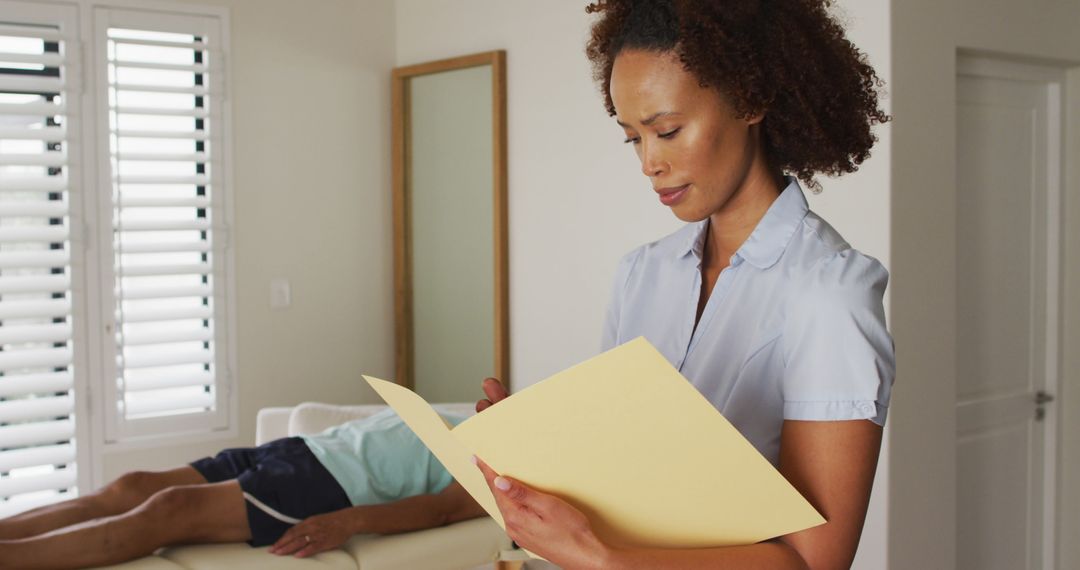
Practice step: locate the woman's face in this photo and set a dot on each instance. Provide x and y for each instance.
(694, 150)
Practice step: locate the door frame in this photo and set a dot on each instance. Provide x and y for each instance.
(1068, 551)
(1062, 459)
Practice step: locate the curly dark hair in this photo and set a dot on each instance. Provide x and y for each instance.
(786, 58)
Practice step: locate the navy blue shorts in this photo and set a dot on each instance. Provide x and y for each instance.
(283, 483)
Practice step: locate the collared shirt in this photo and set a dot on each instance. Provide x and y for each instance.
(378, 459)
(794, 327)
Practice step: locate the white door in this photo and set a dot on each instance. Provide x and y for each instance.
(1009, 124)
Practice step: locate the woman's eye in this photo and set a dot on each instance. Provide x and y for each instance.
(667, 135)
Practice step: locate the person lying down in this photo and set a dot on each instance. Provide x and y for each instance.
(302, 495)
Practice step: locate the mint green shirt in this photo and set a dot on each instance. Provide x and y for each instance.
(378, 459)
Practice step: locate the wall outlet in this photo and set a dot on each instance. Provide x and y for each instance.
(280, 293)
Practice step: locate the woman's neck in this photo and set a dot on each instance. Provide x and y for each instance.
(730, 226)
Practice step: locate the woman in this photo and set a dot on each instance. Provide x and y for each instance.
(757, 301)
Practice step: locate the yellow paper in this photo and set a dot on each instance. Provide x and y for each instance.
(629, 441)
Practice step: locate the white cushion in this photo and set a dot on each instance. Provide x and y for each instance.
(151, 562)
(466, 544)
(271, 424)
(235, 556)
(314, 417)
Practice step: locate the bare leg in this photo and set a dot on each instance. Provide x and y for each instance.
(122, 495)
(212, 512)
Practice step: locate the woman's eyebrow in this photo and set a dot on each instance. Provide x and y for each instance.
(650, 120)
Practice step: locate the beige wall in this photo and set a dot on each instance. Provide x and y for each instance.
(310, 102)
(923, 474)
(926, 37)
(577, 198)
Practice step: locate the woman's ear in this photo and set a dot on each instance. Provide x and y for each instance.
(755, 117)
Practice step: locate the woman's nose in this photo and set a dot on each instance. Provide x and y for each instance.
(652, 164)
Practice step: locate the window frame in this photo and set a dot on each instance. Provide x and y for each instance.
(117, 432)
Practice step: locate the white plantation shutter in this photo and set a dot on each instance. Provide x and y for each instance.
(162, 86)
(128, 245)
(39, 85)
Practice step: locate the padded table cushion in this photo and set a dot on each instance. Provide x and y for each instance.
(151, 562)
(451, 547)
(235, 556)
(463, 545)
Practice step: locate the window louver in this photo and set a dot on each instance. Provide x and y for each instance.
(164, 161)
(37, 367)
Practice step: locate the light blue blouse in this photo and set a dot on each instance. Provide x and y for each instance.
(794, 328)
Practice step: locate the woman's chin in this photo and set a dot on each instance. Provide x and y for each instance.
(688, 213)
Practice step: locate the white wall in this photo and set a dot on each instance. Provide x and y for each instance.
(578, 200)
(858, 205)
(310, 99)
(926, 37)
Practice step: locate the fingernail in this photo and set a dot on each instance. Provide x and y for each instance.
(475, 460)
(502, 484)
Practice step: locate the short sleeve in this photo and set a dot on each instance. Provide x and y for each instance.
(610, 337)
(839, 361)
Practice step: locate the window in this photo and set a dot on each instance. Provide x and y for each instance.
(114, 263)
(37, 428)
(163, 89)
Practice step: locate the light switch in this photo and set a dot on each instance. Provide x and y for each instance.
(280, 294)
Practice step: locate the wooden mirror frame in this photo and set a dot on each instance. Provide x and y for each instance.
(403, 290)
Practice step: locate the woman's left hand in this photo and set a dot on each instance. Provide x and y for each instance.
(545, 524)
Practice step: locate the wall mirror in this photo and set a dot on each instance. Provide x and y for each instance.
(450, 259)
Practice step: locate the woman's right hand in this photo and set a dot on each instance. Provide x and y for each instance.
(495, 392)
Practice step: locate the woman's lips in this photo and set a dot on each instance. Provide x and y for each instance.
(669, 196)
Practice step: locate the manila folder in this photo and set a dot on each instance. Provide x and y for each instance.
(627, 440)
